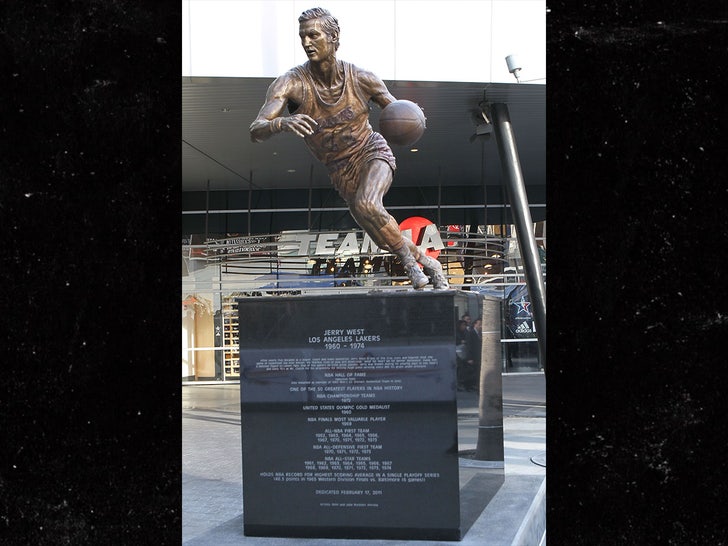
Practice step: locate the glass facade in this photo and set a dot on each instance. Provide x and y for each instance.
(219, 267)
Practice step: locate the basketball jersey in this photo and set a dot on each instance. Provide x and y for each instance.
(343, 126)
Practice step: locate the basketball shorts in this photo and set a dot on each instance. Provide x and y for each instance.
(345, 173)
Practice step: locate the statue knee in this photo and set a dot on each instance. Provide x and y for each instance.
(373, 212)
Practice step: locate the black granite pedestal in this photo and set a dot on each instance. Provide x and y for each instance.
(349, 416)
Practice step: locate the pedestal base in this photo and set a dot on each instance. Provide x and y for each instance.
(349, 415)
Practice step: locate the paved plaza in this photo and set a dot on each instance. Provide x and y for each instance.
(212, 494)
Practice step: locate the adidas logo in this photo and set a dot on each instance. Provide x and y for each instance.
(523, 328)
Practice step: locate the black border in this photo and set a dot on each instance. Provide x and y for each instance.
(636, 293)
(90, 418)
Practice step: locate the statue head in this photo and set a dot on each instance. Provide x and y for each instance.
(329, 24)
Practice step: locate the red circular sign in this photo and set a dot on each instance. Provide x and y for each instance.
(417, 225)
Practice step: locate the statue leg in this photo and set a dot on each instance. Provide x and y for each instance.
(368, 210)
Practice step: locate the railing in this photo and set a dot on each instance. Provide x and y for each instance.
(232, 267)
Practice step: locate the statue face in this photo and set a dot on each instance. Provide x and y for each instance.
(316, 43)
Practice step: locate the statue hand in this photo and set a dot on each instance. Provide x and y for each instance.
(300, 124)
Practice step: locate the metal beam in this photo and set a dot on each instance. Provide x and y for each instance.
(516, 190)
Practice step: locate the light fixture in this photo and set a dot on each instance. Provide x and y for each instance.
(514, 66)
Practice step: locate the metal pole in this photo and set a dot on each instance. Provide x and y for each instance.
(516, 191)
(310, 194)
(207, 209)
(482, 183)
(250, 203)
(439, 196)
(222, 327)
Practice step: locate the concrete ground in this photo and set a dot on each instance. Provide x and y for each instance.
(212, 496)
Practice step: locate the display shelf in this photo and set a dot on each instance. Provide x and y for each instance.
(231, 356)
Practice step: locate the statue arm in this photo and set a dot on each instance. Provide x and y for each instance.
(375, 89)
(270, 121)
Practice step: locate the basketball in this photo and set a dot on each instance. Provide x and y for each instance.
(402, 122)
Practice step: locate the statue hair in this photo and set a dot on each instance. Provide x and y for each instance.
(329, 24)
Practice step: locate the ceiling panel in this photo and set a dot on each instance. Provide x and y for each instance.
(216, 145)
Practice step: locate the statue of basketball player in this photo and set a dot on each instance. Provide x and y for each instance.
(329, 104)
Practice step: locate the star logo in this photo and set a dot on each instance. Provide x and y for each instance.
(523, 305)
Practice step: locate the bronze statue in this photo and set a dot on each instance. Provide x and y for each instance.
(329, 104)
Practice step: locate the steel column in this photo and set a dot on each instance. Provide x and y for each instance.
(516, 191)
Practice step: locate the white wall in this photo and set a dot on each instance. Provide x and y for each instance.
(422, 40)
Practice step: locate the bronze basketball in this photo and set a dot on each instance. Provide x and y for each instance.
(402, 122)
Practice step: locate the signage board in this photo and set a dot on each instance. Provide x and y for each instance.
(349, 416)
